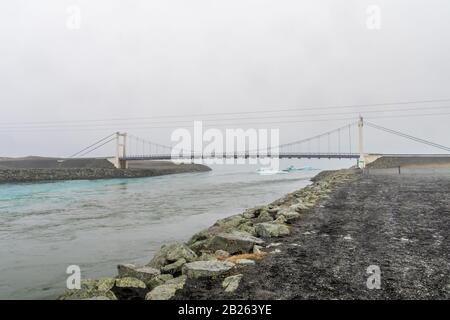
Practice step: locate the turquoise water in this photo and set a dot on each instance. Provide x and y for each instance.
(45, 227)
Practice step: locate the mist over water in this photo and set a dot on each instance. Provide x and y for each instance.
(45, 227)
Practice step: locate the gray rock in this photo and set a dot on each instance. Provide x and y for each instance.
(178, 282)
(245, 262)
(102, 284)
(181, 251)
(270, 229)
(171, 253)
(289, 215)
(202, 269)
(198, 246)
(221, 254)
(247, 227)
(144, 274)
(158, 280)
(231, 222)
(167, 290)
(129, 282)
(174, 267)
(253, 212)
(231, 283)
(264, 216)
(162, 292)
(201, 240)
(234, 242)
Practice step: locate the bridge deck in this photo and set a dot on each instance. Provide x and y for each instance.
(246, 156)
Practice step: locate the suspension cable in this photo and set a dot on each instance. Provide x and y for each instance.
(407, 136)
(97, 142)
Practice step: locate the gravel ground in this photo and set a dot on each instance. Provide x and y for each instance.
(399, 223)
(411, 162)
(34, 169)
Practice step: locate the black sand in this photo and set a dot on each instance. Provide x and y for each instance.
(399, 223)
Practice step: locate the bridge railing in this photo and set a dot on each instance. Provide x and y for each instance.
(245, 155)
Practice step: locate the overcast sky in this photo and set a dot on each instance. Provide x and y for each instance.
(150, 58)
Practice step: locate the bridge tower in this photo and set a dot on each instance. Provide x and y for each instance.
(121, 151)
(361, 160)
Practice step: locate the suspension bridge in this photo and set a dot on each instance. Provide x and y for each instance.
(333, 144)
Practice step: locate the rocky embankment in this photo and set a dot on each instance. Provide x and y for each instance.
(219, 253)
(89, 169)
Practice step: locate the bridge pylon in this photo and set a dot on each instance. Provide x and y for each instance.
(362, 157)
(121, 151)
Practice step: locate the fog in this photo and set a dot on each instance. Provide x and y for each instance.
(138, 60)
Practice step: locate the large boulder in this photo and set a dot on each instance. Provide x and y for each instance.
(175, 267)
(270, 229)
(289, 215)
(247, 227)
(171, 253)
(198, 246)
(144, 274)
(178, 282)
(204, 269)
(234, 242)
(162, 292)
(200, 240)
(167, 290)
(253, 212)
(231, 222)
(264, 216)
(129, 289)
(181, 251)
(158, 280)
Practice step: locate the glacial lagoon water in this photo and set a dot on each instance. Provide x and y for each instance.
(45, 227)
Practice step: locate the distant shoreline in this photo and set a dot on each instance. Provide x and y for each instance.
(45, 169)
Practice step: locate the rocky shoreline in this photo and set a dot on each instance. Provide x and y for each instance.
(219, 253)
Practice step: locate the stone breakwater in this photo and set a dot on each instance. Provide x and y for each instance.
(220, 252)
(35, 175)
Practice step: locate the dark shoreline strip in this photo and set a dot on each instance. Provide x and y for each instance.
(48, 175)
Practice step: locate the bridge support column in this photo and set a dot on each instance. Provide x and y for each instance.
(361, 160)
(121, 151)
